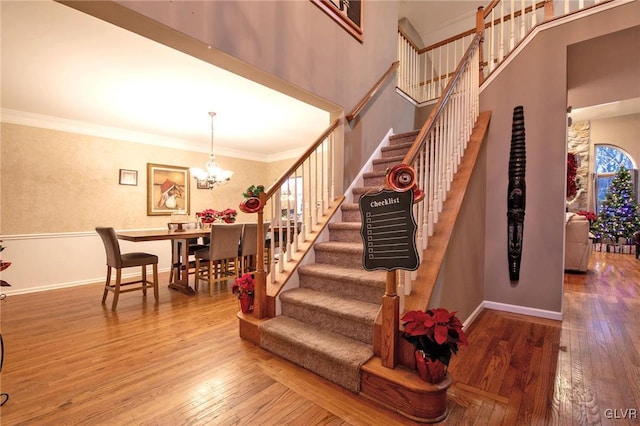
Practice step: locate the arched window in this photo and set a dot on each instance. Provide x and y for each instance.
(609, 159)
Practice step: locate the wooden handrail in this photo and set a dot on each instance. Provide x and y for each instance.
(411, 156)
(473, 30)
(448, 40)
(394, 66)
(490, 7)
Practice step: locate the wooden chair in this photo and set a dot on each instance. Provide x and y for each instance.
(120, 261)
(179, 264)
(249, 246)
(220, 260)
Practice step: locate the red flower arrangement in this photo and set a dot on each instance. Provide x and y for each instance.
(211, 215)
(244, 287)
(436, 335)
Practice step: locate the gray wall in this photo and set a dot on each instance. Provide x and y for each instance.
(537, 79)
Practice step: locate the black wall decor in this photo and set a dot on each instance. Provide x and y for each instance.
(516, 193)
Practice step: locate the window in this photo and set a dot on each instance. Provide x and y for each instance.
(609, 159)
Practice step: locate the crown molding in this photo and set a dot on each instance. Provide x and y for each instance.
(29, 119)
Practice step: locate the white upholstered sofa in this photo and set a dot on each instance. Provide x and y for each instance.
(578, 245)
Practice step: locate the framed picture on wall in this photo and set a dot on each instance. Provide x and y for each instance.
(128, 177)
(168, 190)
(347, 13)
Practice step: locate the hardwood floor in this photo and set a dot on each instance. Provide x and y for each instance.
(70, 360)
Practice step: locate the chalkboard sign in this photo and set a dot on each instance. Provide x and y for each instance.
(388, 231)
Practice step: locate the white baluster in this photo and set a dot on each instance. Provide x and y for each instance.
(501, 53)
(512, 27)
(523, 20)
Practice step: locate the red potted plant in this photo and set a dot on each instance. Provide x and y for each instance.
(436, 335)
(244, 288)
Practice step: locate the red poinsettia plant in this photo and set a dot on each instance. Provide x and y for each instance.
(243, 285)
(436, 333)
(211, 215)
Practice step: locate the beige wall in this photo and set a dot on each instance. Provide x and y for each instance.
(601, 69)
(54, 181)
(537, 79)
(623, 132)
(463, 289)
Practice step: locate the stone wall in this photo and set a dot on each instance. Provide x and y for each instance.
(579, 144)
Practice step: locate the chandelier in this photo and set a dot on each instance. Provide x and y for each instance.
(212, 175)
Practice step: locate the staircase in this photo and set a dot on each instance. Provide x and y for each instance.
(327, 323)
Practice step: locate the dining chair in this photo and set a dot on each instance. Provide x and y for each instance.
(119, 261)
(220, 260)
(179, 264)
(249, 246)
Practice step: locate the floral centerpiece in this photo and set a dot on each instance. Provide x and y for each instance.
(211, 216)
(207, 216)
(436, 335)
(244, 287)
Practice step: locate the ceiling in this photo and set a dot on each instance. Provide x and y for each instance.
(66, 70)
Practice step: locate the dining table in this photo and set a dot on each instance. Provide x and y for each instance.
(181, 282)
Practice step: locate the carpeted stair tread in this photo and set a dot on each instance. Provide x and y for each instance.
(345, 225)
(349, 309)
(330, 355)
(385, 160)
(379, 173)
(352, 275)
(396, 149)
(346, 282)
(402, 137)
(341, 247)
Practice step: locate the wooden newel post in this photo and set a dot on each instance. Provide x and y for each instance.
(388, 233)
(390, 322)
(260, 296)
(480, 32)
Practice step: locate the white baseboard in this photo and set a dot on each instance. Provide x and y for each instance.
(473, 316)
(523, 310)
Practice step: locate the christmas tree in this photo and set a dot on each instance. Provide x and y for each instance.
(619, 216)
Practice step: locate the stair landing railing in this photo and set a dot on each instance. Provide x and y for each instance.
(424, 73)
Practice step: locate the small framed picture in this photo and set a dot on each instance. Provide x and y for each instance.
(202, 184)
(128, 177)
